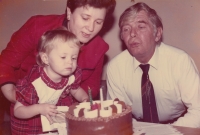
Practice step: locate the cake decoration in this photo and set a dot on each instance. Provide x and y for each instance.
(109, 117)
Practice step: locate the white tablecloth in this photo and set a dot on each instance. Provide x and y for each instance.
(153, 129)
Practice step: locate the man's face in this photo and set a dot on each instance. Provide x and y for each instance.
(140, 36)
(85, 22)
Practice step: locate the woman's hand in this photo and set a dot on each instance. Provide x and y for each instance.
(8, 91)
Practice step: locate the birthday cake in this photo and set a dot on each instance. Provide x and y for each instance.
(110, 117)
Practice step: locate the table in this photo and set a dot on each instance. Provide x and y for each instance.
(188, 131)
(141, 128)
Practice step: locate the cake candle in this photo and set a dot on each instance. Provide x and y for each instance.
(90, 96)
(101, 98)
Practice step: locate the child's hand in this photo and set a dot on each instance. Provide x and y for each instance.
(85, 100)
(48, 110)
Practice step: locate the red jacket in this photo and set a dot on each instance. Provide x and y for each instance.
(19, 55)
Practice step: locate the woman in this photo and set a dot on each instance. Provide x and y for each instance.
(84, 18)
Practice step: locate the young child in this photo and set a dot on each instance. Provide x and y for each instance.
(38, 93)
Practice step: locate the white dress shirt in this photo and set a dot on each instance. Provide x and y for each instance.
(175, 79)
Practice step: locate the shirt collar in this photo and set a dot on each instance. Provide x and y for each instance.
(153, 61)
(50, 83)
(155, 58)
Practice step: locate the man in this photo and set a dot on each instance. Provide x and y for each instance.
(171, 91)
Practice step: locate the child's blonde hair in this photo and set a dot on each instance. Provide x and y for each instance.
(46, 42)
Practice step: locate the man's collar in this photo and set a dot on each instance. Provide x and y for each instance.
(153, 61)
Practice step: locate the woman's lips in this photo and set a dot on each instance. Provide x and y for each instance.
(85, 35)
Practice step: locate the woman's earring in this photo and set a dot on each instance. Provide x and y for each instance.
(68, 18)
(68, 13)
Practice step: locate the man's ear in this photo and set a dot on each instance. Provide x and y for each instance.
(158, 35)
(68, 13)
(44, 58)
(121, 36)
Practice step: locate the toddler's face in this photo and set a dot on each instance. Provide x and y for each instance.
(62, 59)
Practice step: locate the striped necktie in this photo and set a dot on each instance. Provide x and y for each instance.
(150, 113)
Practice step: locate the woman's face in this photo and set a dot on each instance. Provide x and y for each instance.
(85, 22)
